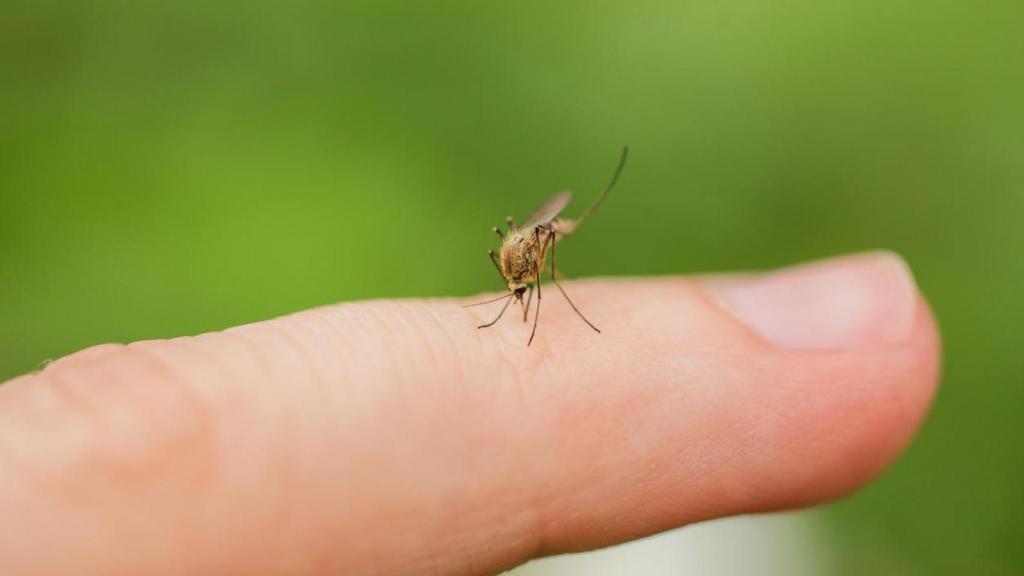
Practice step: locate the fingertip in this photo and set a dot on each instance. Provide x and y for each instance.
(852, 415)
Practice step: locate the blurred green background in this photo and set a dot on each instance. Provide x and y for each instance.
(168, 168)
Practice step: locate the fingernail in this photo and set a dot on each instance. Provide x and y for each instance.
(848, 302)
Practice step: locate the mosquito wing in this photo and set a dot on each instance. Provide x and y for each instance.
(549, 210)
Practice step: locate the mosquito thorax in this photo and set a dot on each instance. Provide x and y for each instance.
(518, 257)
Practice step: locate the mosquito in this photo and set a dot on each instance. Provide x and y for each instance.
(524, 251)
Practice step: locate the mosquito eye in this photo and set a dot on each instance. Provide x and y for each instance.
(520, 290)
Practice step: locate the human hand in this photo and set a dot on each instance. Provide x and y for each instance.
(393, 437)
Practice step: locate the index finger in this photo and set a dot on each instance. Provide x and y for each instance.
(394, 437)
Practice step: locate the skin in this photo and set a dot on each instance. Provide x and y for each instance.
(393, 437)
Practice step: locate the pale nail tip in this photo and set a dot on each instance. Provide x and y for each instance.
(853, 301)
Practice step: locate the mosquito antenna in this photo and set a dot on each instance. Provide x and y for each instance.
(509, 295)
(615, 178)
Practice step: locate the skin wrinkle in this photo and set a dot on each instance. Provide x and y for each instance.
(430, 348)
(96, 412)
(325, 348)
(286, 463)
(197, 409)
(10, 450)
(474, 318)
(286, 359)
(365, 356)
(201, 471)
(404, 315)
(459, 561)
(505, 361)
(490, 359)
(89, 355)
(259, 344)
(80, 404)
(326, 377)
(470, 359)
(373, 339)
(77, 484)
(278, 471)
(384, 318)
(340, 341)
(249, 412)
(512, 376)
(473, 547)
(284, 471)
(284, 467)
(307, 331)
(82, 411)
(236, 392)
(228, 391)
(189, 352)
(286, 328)
(356, 384)
(255, 353)
(461, 360)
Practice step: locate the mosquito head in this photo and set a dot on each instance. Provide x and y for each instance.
(517, 289)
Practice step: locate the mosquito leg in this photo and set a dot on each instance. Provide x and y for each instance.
(551, 235)
(497, 231)
(497, 265)
(526, 310)
(511, 223)
(536, 271)
(500, 314)
(536, 315)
